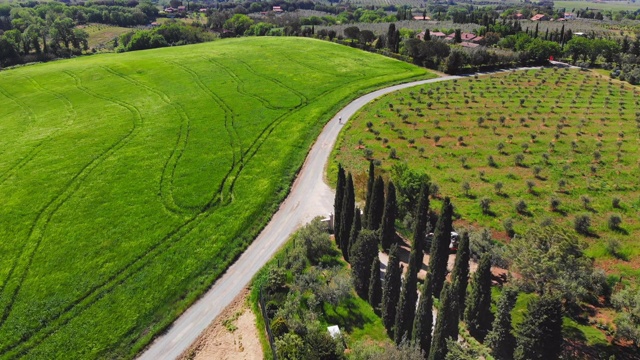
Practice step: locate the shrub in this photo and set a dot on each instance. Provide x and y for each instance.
(498, 186)
(530, 185)
(614, 222)
(507, 224)
(491, 162)
(586, 201)
(485, 205)
(615, 202)
(555, 203)
(582, 224)
(519, 160)
(466, 188)
(393, 153)
(521, 207)
(613, 247)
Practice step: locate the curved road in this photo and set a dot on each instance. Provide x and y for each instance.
(309, 197)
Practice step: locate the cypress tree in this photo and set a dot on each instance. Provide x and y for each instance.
(363, 252)
(375, 284)
(423, 323)
(535, 35)
(348, 208)
(446, 324)
(391, 289)
(439, 255)
(337, 204)
(478, 312)
(500, 339)
(539, 336)
(422, 218)
(367, 202)
(427, 35)
(460, 273)
(355, 230)
(388, 235)
(407, 304)
(377, 205)
(391, 38)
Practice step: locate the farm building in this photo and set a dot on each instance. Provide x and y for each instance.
(421, 17)
(539, 17)
(277, 9)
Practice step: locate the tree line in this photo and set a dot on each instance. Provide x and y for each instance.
(565, 279)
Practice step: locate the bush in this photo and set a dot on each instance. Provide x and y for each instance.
(615, 203)
(521, 207)
(582, 224)
(613, 247)
(485, 205)
(614, 222)
(507, 224)
(555, 203)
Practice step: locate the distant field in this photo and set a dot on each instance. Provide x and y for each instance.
(129, 182)
(450, 130)
(606, 5)
(101, 34)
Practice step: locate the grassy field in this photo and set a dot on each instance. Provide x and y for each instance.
(129, 182)
(574, 134)
(605, 5)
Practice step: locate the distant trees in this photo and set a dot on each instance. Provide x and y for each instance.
(238, 23)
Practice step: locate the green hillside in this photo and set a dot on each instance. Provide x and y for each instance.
(129, 182)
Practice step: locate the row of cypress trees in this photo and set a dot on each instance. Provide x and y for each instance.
(359, 236)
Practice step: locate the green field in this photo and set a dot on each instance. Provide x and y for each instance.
(129, 182)
(575, 132)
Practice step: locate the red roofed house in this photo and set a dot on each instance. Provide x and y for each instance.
(438, 34)
(519, 16)
(539, 17)
(420, 17)
(467, 36)
(182, 9)
(277, 9)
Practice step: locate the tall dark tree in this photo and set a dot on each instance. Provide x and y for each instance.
(391, 289)
(348, 208)
(337, 203)
(446, 324)
(427, 35)
(391, 37)
(363, 252)
(439, 254)
(422, 217)
(375, 284)
(388, 231)
(478, 314)
(376, 208)
(457, 36)
(355, 230)
(500, 339)
(535, 35)
(539, 336)
(371, 180)
(407, 304)
(423, 323)
(460, 273)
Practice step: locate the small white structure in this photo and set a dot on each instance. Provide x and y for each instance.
(334, 331)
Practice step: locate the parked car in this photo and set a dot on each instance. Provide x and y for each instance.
(453, 244)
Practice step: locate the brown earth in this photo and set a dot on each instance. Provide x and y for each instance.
(232, 336)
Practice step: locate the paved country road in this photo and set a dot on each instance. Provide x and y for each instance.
(309, 197)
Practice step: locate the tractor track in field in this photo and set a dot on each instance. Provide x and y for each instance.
(72, 114)
(24, 345)
(23, 261)
(165, 187)
(34, 150)
(303, 98)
